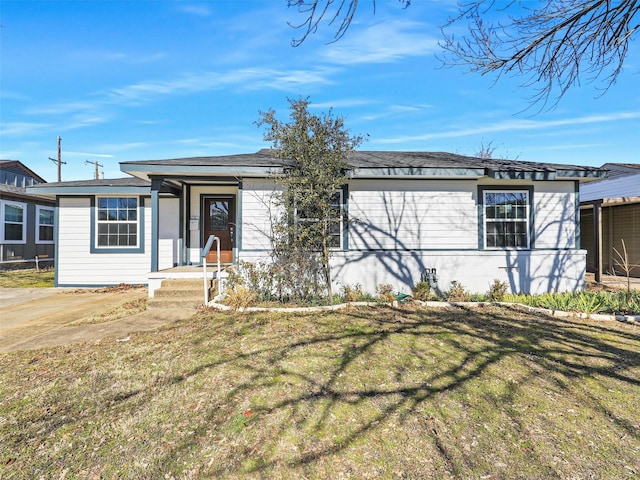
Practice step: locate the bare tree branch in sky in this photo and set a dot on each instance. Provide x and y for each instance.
(554, 44)
(338, 12)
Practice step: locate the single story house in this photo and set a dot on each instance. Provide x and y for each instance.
(610, 213)
(27, 229)
(472, 220)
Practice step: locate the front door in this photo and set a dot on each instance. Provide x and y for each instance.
(219, 215)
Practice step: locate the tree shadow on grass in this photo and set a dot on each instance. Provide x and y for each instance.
(324, 383)
(470, 343)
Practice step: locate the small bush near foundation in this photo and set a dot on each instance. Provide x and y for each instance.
(240, 297)
(352, 293)
(457, 292)
(422, 291)
(385, 292)
(497, 291)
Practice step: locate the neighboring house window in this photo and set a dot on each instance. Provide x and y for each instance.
(44, 229)
(14, 222)
(117, 222)
(336, 221)
(506, 219)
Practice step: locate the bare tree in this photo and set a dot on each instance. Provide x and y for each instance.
(338, 12)
(555, 46)
(486, 150)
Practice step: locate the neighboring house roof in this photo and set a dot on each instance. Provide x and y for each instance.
(21, 193)
(621, 169)
(127, 185)
(14, 172)
(618, 190)
(368, 164)
(16, 166)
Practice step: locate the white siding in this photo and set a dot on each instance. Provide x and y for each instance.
(404, 215)
(257, 211)
(77, 266)
(536, 271)
(169, 233)
(554, 215)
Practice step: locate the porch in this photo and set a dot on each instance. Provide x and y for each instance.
(186, 272)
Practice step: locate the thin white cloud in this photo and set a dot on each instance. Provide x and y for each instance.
(81, 121)
(108, 56)
(23, 128)
(87, 154)
(516, 125)
(395, 110)
(199, 10)
(344, 103)
(249, 79)
(64, 108)
(382, 43)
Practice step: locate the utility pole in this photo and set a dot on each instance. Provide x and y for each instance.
(97, 174)
(59, 160)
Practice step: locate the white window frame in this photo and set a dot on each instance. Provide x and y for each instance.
(99, 222)
(39, 208)
(526, 220)
(341, 209)
(3, 222)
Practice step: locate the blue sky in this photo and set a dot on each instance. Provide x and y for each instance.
(138, 80)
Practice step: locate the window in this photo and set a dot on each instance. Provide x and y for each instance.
(506, 219)
(117, 222)
(336, 221)
(44, 229)
(14, 222)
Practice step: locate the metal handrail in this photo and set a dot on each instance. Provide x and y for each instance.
(203, 256)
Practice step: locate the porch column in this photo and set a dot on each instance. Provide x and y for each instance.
(597, 240)
(156, 183)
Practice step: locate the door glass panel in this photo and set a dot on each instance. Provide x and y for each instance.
(219, 214)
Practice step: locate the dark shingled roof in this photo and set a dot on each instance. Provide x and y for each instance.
(21, 192)
(262, 158)
(105, 182)
(375, 159)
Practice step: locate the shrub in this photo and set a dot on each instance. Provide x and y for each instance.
(497, 291)
(587, 302)
(457, 292)
(240, 297)
(558, 301)
(352, 293)
(385, 292)
(478, 297)
(422, 291)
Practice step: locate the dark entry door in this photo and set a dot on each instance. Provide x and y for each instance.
(219, 214)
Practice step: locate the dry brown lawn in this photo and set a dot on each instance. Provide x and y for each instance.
(488, 393)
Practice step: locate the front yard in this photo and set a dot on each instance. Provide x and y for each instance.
(362, 393)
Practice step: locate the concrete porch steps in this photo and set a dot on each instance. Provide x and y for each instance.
(181, 293)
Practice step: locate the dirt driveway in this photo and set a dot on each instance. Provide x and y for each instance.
(41, 317)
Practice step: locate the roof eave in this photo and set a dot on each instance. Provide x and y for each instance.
(417, 172)
(145, 171)
(83, 190)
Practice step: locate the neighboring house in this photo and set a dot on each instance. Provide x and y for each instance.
(610, 213)
(26, 219)
(473, 220)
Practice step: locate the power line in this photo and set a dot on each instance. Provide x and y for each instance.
(59, 160)
(97, 174)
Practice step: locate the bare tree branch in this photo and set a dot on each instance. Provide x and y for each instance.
(336, 11)
(554, 46)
